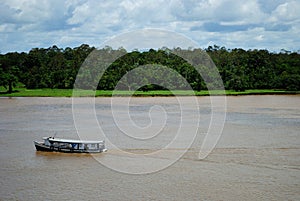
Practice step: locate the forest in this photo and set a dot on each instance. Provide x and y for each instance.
(239, 69)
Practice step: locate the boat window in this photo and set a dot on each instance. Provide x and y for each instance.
(92, 146)
(81, 146)
(46, 142)
(74, 146)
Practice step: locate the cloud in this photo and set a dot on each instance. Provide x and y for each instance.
(7, 14)
(25, 24)
(218, 27)
(288, 11)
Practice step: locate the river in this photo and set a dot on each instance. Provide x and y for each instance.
(256, 158)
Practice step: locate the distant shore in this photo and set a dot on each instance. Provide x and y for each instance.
(22, 92)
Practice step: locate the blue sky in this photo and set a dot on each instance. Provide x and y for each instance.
(248, 24)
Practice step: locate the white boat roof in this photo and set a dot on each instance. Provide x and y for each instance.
(54, 139)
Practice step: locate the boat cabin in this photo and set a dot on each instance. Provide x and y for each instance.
(67, 145)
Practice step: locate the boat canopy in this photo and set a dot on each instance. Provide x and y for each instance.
(51, 139)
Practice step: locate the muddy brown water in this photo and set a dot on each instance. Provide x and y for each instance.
(256, 158)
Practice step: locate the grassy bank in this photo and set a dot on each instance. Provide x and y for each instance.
(22, 92)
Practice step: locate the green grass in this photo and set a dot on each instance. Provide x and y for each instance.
(23, 92)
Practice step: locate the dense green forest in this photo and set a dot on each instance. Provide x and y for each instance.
(239, 69)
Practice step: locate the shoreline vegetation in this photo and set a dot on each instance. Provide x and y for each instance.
(239, 71)
(23, 92)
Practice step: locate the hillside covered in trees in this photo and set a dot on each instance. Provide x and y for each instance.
(239, 69)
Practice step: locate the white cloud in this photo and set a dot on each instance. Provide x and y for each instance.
(80, 14)
(7, 28)
(287, 11)
(244, 23)
(259, 38)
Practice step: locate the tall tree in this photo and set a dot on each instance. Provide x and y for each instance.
(9, 71)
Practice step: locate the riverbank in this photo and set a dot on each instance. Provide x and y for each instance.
(22, 92)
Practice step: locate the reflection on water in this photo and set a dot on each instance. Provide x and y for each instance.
(257, 157)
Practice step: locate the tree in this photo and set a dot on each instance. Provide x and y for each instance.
(240, 69)
(9, 71)
(9, 78)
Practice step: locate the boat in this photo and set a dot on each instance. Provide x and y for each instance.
(69, 145)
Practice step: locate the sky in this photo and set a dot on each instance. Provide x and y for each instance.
(249, 24)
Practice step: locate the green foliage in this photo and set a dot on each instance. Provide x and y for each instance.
(256, 69)
(240, 70)
(9, 71)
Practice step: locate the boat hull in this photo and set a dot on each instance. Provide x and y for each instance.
(40, 146)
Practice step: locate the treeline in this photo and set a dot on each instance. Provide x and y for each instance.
(239, 69)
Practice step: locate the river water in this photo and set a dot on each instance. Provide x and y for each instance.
(256, 158)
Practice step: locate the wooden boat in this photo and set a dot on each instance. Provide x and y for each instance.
(68, 145)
